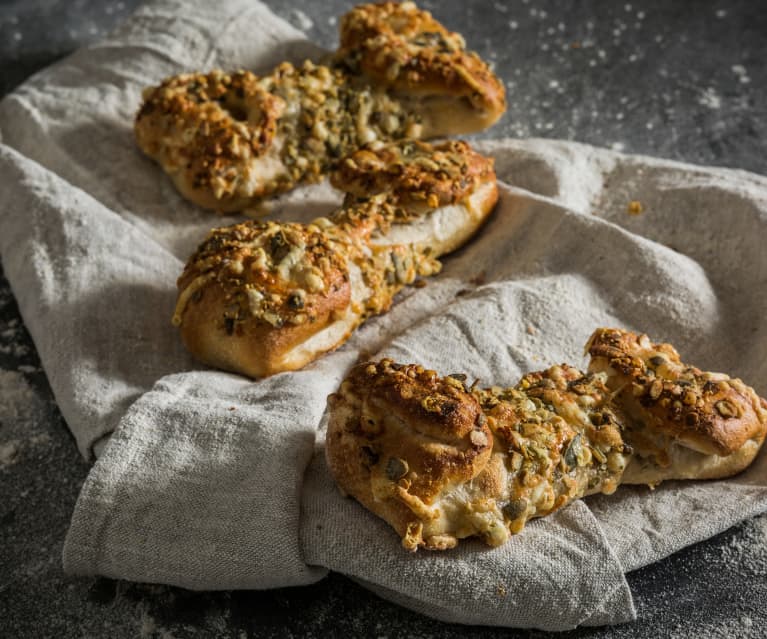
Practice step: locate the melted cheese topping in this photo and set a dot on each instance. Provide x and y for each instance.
(267, 270)
(240, 136)
(547, 452)
(555, 437)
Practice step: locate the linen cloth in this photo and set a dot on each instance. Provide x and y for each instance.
(213, 481)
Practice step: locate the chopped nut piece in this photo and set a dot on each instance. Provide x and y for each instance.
(727, 409)
(396, 468)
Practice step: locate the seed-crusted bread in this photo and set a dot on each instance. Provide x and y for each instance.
(414, 448)
(229, 140)
(440, 194)
(440, 461)
(403, 48)
(685, 423)
(259, 297)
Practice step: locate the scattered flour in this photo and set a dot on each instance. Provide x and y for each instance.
(741, 627)
(710, 98)
(16, 397)
(740, 71)
(745, 554)
(148, 625)
(748, 550)
(11, 342)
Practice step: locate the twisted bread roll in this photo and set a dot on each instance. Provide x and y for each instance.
(397, 46)
(259, 297)
(440, 461)
(228, 140)
(684, 423)
(440, 193)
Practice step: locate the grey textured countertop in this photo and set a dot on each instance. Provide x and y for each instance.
(682, 80)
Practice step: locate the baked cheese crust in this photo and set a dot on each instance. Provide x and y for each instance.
(440, 460)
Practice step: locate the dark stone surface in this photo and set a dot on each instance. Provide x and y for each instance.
(682, 80)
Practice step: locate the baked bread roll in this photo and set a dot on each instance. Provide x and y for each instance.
(439, 194)
(228, 140)
(422, 64)
(684, 423)
(399, 437)
(259, 298)
(441, 461)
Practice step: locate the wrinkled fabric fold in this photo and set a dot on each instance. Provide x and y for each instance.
(212, 481)
(512, 585)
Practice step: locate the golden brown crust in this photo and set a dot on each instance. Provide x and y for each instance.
(406, 49)
(708, 412)
(278, 272)
(254, 291)
(253, 347)
(414, 173)
(398, 436)
(437, 196)
(207, 131)
(264, 297)
(554, 437)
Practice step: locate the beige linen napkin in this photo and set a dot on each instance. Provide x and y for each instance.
(212, 481)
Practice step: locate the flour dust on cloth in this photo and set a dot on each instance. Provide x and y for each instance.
(213, 481)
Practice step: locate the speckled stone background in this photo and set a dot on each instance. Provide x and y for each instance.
(681, 80)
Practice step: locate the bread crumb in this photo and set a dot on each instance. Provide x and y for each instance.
(635, 207)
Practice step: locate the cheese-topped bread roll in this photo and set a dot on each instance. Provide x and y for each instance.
(399, 438)
(228, 140)
(264, 297)
(685, 423)
(441, 193)
(403, 48)
(440, 461)
(260, 297)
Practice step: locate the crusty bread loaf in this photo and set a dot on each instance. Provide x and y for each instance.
(262, 297)
(228, 140)
(441, 461)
